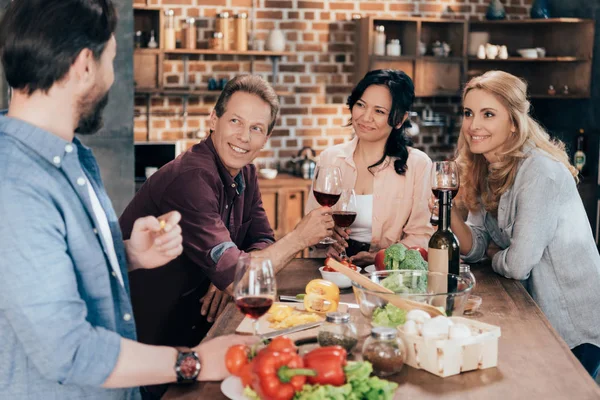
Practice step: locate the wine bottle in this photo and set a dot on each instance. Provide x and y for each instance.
(444, 254)
(579, 158)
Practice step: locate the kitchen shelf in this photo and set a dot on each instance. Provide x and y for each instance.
(523, 59)
(146, 7)
(190, 92)
(190, 52)
(440, 59)
(560, 96)
(540, 21)
(394, 58)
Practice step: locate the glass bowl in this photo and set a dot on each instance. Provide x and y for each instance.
(448, 292)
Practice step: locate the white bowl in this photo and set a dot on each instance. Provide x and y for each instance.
(528, 53)
(267, 173)
(341, 280)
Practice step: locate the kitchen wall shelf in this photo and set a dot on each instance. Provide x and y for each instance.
(568, 62)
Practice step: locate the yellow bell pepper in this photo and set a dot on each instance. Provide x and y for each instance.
(321, 296)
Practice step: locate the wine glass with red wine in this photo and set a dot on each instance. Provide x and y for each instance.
(444, 177)
(254, 287)
(327, 188)
(344, 212)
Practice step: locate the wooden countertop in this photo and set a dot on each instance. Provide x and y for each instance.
(533, 362)
(283, 180)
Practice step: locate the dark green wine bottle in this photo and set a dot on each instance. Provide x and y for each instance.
(444, 253)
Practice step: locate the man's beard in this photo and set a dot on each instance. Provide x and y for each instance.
(90, 121)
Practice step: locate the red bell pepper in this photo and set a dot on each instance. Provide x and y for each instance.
(329, 363)
(278, 375)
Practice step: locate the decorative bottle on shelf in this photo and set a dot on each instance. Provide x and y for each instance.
(152, 42)
(579, 158)
(379, 41)
(169, 31)
(443, 254)
(540, 9)
(495, 11)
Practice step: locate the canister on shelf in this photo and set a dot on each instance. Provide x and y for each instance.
(216, 41)
(188, 36)
(379, 41)
(223, 25)
(169, 30)
(241, 32)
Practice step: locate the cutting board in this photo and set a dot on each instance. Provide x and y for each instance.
(245, 327)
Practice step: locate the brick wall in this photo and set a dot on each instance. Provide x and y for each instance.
(321, 34)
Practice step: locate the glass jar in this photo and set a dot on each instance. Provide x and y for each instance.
(379, 41)
(223, 25)
(393, 48)
(216, 41)
(385, 351)
(338, 330)
(241, 32)
(170, 41)
(188, 36)
(465, 272)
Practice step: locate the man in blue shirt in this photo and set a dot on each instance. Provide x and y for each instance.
(65, 316)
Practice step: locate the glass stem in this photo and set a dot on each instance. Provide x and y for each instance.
(255, 326)
(343, 255)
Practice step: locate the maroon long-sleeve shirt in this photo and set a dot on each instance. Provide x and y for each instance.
(222, 216)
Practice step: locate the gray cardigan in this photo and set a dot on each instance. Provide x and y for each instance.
(547, 242)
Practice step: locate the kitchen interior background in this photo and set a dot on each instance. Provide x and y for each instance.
(316, 78)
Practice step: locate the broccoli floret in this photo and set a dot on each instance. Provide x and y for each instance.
(394, 255)
(413, 260)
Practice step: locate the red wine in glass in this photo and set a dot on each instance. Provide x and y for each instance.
(344, 219)
(253, 306)
(326, 199)
(437, 191)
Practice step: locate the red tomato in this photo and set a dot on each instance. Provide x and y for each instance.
(379, 257)
(329, 269)
(420, 250)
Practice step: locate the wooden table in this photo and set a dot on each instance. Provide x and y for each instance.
(534, 362)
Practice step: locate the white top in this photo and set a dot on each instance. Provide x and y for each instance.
(105, 232)
(363, 224)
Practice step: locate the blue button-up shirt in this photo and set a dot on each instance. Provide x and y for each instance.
(62, 310)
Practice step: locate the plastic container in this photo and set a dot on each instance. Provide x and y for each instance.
(338, 330)
(452, 356)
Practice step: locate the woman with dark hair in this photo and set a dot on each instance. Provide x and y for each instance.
(390, 179)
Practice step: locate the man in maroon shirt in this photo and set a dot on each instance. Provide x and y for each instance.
(215, 188)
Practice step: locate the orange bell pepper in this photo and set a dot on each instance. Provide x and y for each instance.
(321, 296)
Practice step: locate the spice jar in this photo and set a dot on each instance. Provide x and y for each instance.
(385, 351)
(240, 42)
(379, 41)
(188, 37)
(222, 25)
(169, 31)
(216, 41)
(338, 330)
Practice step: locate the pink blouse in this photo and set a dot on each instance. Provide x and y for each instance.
(400, 202)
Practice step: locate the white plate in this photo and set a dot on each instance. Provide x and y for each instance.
(232, 388)
(370, 268)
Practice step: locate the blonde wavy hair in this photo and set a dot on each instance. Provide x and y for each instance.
(483, 182)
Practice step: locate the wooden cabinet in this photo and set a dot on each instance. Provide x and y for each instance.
(568, 44)
(284, 200)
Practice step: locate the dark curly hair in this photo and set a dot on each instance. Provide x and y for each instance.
(402, 90)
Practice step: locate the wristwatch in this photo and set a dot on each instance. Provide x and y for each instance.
(187, 366)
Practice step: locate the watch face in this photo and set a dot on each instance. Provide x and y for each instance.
(189, 367)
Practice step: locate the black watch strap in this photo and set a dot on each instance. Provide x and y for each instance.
(187, 366)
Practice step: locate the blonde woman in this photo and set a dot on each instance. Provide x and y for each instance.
(525, 213)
